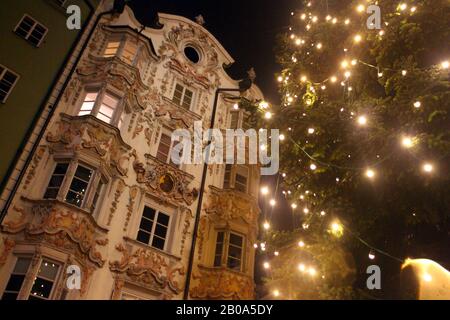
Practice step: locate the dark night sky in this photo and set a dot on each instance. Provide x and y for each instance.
(246, 29)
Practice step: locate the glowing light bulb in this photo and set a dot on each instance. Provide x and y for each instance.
(294, 206)
(417, 104)
(407, 142)
(360, 8)
(413, 9)
(276, 253)
(333, 79)
(323, 87)
(266, 225)
(328, 18)
(264, 190)
(268, 115)
(381, 33)
(319, 46)
(354, 62)
(303, 16)
(303, 78)
(272, 202)
(357, 38)
(280, 78)
(266, 265)
(235, 106)
(347, 21)
(344, 64)
(314, 19)
(311, 130)
(362, 120)
(313, 166)
(263, 105)
(427, 167)
(370, 173)
(445, 64)
(371, 256)
(337, 229)
(334, 21)
(298, 42)
(282, 137)
(404, 72)
(276, 293)
(322, 213)
(305, 210)
(312, 272)
(301, 244)
(347, 74)
(255, 245)
(301, 267)
(403, 6)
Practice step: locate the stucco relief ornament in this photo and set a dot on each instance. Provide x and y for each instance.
(147, 267)
(165, 180)
(200, 20)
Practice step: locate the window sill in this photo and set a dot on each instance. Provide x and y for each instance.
(148, 247)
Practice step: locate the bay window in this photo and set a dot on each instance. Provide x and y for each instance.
(103, 105)
(229, 250)
(236, 177)
(45, 278)
(124, 47)
(73, 183)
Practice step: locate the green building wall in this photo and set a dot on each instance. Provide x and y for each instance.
(38, 68)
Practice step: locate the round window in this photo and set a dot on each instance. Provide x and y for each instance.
(192, 54)
(166, 183)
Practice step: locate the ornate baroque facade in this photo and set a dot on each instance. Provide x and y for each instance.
(101, 192)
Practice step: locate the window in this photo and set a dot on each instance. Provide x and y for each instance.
(16, 279)
(43, 284)
(112, 48)
(44, 281)
(165, 143)
(31, 30)
(183, 96)
(234, 123)
(56, 181)
(229, 249)
(8, 80)
(77, 185)
(240, 182)
(153, 228)
(102, 105)
(227, 177)
(236, 177)
(129, 51)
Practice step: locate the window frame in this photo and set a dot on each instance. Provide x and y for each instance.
(233, 172)
(123, 39)
(35, 23)
(32, 273)
(167, 132)
(2, 74)
(69, 176)
(117, 116)
(226, 249)
(240, 121)
(157, 211)
(183, 96)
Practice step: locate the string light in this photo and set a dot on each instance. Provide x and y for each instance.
(311, 130)
(337, 229)
(428, 167)
(357, 38)
(322, 213)
(445, 64)
(417, 104)
(370, 173)
(264, 105)
(294, 206)
(276, 253)
(360, 8)
(407, 142)
(276, 293)
(235, 106)
(301, 267)
(273, 202)
(404, 72)
(268, 115)
(264, 190)
(362, 120)
(282, 137)
(333, 79)
(266, 225)
(371, 255)
(266, 265)
(313, 166)
(305, 210)
(301, 244)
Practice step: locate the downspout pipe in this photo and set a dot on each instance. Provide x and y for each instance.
(244, 85)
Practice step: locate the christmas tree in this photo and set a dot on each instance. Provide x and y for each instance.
(366, 145)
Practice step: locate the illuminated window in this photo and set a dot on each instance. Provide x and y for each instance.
(44, 282)
(78, 187)
(236, 177)
(101, 105)
(112, 47)
(16, 279)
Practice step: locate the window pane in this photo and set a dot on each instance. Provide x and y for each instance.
(16, 279)
(111, 49)
(226, 179)
(15, 282)
(88, 103)
(56, 181)
(164, 148)
(163, 219)
(235, 240)
(146, 225)
(79, 185)
(219, 249)
(178, 94)
(149, 213)
(187, 99)
(143, 237)
(158, 243)
(129, 52)
(161, 231)
(97, 194)
(234, 264)
(41, 289)
(234, 120)
(6, 83)
(48, 270)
